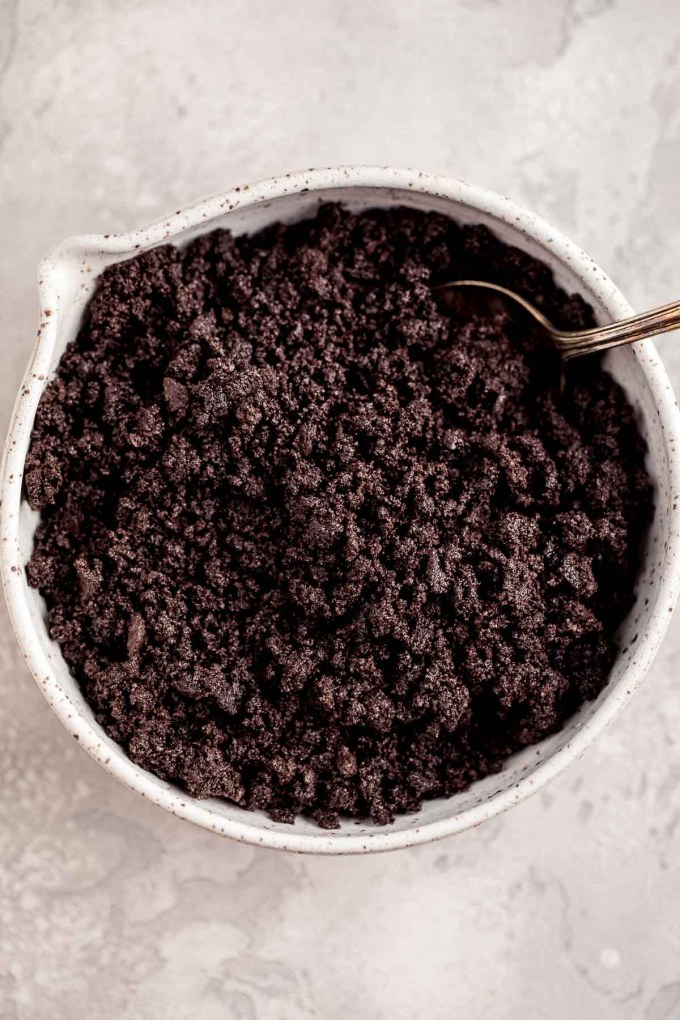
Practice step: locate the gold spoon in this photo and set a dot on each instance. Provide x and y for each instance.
(574, 343)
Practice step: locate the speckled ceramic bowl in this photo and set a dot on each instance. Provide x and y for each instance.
(67, 280)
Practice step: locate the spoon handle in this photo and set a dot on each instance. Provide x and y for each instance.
(627, 331)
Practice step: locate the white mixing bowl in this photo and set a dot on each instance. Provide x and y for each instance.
(67, 280)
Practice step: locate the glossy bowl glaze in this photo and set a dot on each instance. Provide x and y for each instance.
(67, 280)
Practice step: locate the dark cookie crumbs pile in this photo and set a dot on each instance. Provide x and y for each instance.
(311, 545)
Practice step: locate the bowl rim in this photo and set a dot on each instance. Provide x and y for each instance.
(114, 760)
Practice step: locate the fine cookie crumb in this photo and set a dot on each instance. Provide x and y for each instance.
(309, 543)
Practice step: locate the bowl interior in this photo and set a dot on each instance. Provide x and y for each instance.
(73, 278)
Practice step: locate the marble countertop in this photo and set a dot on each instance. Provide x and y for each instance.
(112, 113)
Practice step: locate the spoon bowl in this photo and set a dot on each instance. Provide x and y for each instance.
(570, 343)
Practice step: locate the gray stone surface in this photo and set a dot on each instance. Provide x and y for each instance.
(112, 113)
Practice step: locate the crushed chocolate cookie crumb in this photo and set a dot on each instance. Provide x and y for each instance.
(312, 545)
